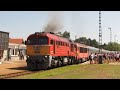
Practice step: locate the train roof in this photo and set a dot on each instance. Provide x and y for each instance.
(93, 48)
(51, 36)
(79, 44)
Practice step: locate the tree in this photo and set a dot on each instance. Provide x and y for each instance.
(66, 34)
(94, 43)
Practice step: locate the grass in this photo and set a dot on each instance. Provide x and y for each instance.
(93, 71)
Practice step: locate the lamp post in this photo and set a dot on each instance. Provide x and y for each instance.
(110, 34)
(100, 33)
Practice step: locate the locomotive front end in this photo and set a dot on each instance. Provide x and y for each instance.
(38, 52)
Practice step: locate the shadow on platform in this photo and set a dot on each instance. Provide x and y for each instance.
(19, 68)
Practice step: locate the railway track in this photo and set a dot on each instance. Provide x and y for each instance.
(11, 75)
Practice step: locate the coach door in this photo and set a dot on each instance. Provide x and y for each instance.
(72, 47)
(54, 47)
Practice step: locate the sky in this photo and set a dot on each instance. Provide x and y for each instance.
(21, 24)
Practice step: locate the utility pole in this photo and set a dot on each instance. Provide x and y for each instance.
(110, 35)
(100, 33)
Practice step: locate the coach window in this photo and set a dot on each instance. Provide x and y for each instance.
(58, 43)
(75, 47)
(81, 49)
(62, 44)
(51, 42)
(85, 50)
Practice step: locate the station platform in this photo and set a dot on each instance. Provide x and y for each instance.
(13, 66)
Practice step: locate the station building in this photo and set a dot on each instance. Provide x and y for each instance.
(4, 43)
(16, 45)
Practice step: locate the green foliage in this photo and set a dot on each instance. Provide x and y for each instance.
(88, 41)
(66, 34)
(80, 71)
(111, 46)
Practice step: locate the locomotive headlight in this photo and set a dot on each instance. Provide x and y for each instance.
(45, 56)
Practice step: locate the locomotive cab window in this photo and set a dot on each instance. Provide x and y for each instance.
(51, 42)
(32, 41)
(37, 41)
(42, 40)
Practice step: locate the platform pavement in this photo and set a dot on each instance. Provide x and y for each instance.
(13, 59)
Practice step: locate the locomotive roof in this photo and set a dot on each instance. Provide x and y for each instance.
(56, 37)
(52, 36)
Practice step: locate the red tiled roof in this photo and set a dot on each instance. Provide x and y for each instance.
(16, 41)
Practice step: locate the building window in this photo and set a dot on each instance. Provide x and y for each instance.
(12, 51)
(16, 50)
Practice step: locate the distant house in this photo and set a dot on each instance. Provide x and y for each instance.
(15, 46)
(16, 40)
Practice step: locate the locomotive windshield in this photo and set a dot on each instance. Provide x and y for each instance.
(37, 41)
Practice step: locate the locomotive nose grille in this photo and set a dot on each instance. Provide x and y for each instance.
(36, 47)
(37, 52)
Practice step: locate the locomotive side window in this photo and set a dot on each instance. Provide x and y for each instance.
(65, 44)
(72, 47)
(51, 42)
(56, 43)
(61, 43)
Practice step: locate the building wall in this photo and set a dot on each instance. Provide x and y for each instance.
(14, 49)
(4, 41)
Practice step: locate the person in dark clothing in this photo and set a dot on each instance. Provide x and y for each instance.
(20, 55)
